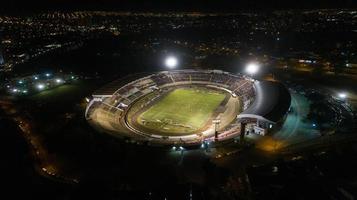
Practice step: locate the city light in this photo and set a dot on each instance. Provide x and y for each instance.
(14, 90)
(171, 62)
(47, 75)
(21, 82)
(36, 78)
(58, 80)
(40, 86)
(252, 68)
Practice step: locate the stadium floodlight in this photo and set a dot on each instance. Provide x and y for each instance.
(342, 95)
(252, 68)
(40, 86)
(171, 62)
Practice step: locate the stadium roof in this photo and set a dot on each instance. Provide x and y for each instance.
(271, 102)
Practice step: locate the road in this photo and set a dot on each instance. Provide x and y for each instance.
(296, 127)
(41, 158)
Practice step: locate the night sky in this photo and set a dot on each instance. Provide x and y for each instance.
(170, 5)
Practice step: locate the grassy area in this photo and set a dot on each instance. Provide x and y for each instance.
(182, 110)
(67, 93)
(54, 102)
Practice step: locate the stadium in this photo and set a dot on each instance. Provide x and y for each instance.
(187, 107)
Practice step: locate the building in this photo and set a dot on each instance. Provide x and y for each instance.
(269, 108)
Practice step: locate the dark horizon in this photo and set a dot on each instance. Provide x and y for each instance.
(18, 6)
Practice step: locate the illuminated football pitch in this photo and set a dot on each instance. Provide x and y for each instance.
(182, 111)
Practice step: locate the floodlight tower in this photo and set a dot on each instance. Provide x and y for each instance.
(216, 123)
(171, 62)
(342, 95)
(252, 68)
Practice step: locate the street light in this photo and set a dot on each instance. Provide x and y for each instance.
(252, 68)
(171, 62)
(40, 86)
(58, 80)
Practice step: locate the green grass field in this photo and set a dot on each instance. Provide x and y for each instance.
(182, 111)
(65, 93)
